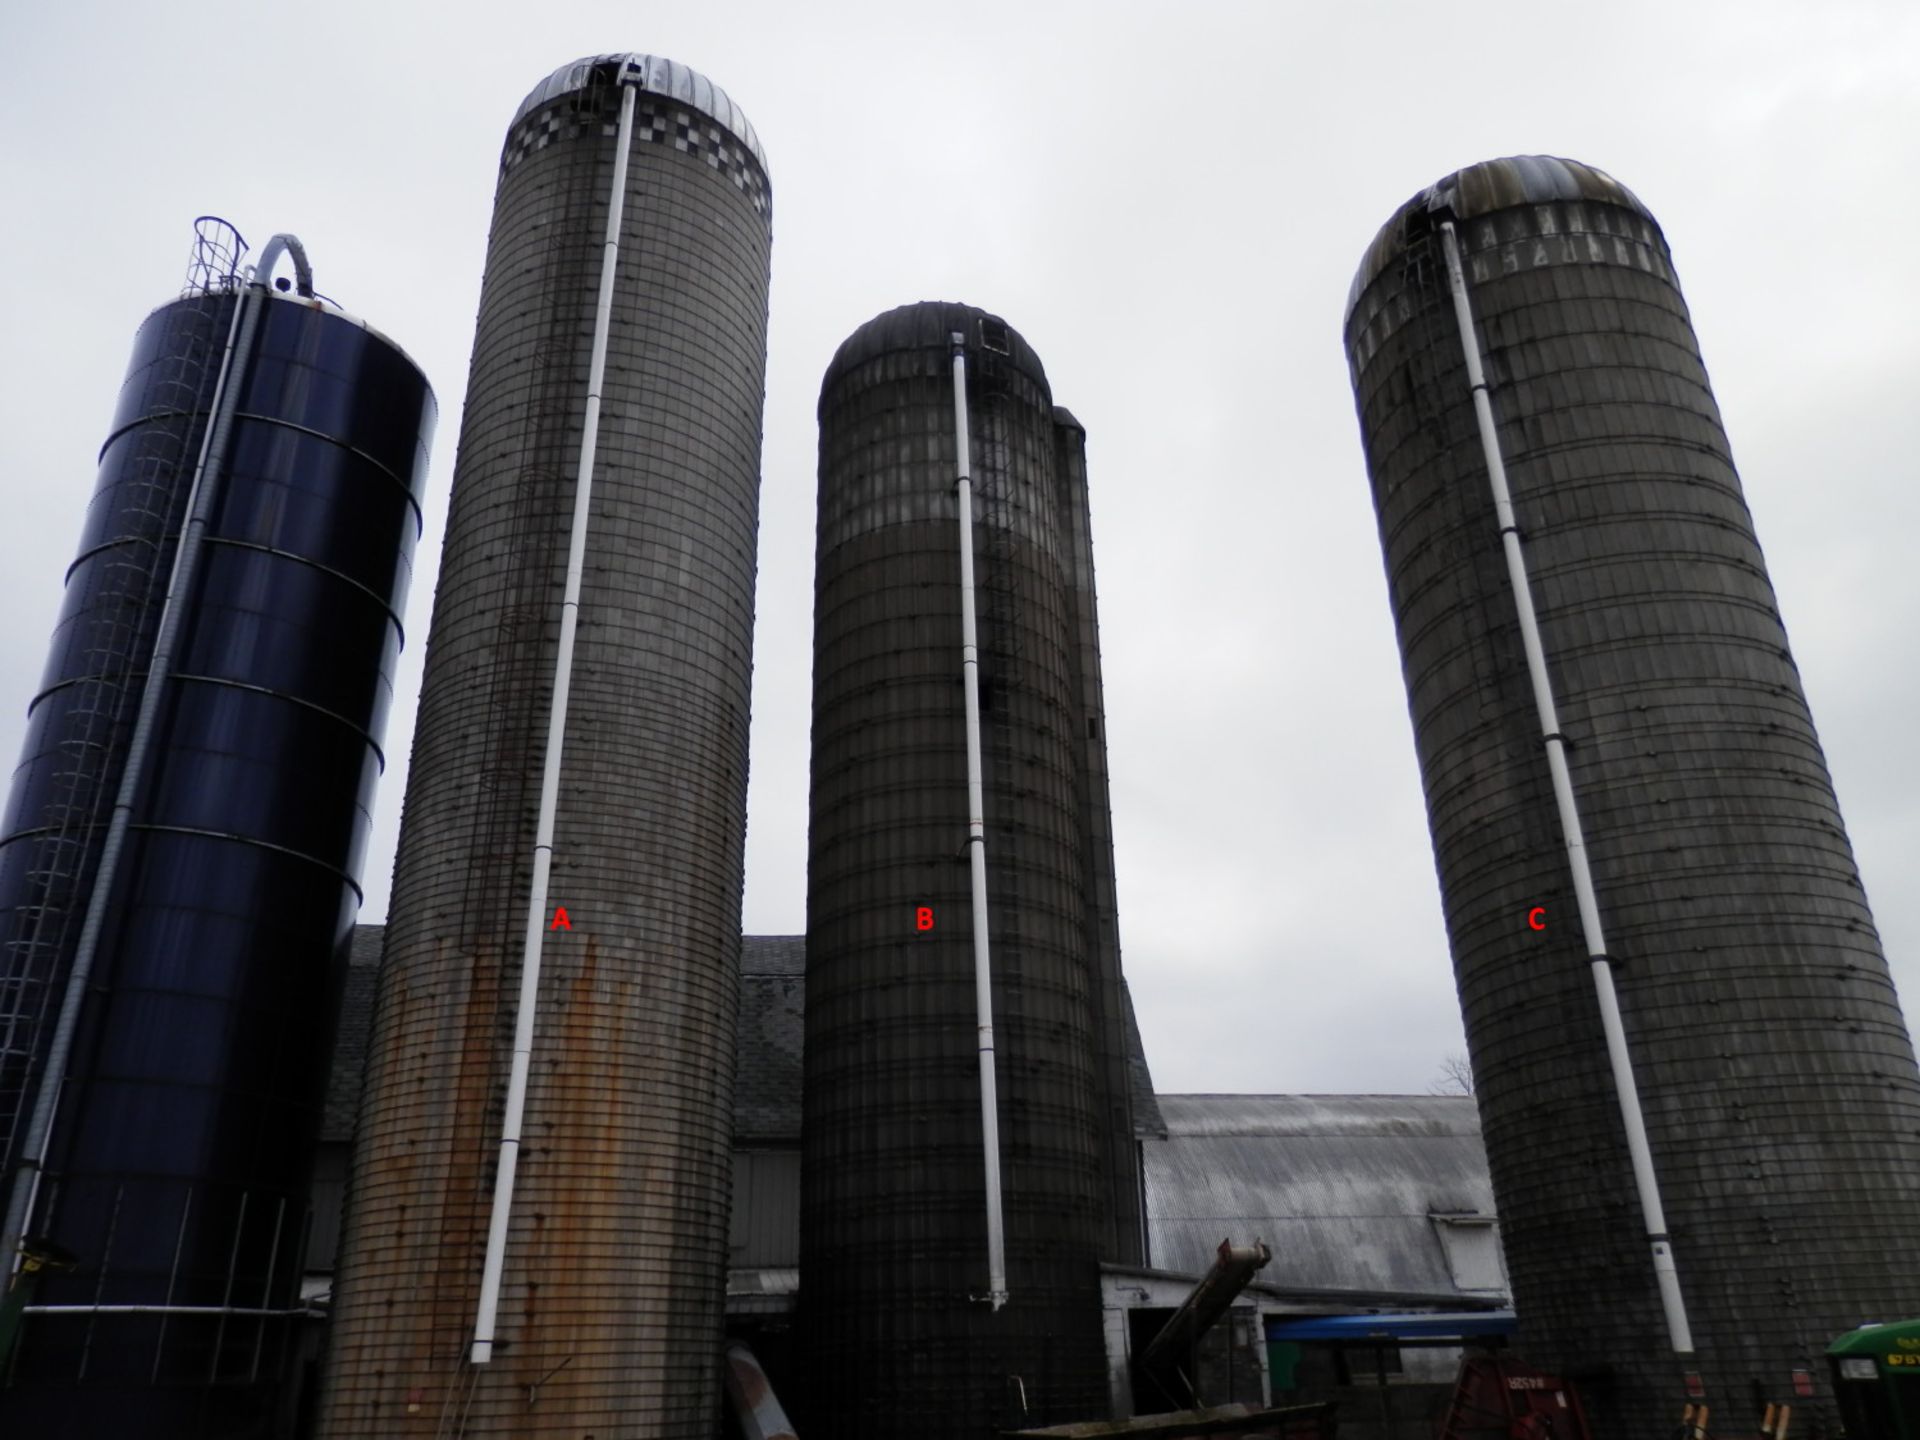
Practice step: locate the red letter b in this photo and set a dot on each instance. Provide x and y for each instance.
(923, 918)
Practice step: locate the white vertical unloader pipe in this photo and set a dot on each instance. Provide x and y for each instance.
(203, 492)
(488, 1311)
(1679, 1333)
(977, 837)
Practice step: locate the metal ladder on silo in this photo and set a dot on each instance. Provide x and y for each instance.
(37, 942)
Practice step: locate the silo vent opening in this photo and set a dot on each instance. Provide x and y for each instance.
(993, 336)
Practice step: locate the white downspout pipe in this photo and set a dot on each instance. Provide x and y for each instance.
(1679, 1333)
(977, 838)
(203, 494)
(488, 1310)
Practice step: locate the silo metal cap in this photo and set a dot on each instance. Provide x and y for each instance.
(1492, 185)
(930, 325)
(655, 75)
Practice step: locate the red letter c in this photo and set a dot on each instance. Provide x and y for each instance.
(1534, 917)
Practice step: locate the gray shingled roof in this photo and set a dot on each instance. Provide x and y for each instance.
(1344, 1188)
(766, 1091)
(1147, 1121)
(773, 992)
(348, 1075)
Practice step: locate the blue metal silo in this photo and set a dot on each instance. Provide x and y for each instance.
(180, 860)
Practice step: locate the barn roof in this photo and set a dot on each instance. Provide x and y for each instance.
(1353, 1192)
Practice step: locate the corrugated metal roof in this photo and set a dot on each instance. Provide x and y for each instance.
(1492, 185)
(1344, 1188)
(1308, 1115)
(655, 75)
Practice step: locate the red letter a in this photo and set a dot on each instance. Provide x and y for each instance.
(560, 921)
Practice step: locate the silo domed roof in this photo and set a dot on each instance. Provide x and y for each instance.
(1493, 185)
(655, 75)
(929, 325)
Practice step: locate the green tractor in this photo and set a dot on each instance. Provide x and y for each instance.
(1876, 1375)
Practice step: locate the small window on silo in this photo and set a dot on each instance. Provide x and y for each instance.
(993, 336)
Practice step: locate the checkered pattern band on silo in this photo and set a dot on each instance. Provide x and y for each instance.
(655, 121)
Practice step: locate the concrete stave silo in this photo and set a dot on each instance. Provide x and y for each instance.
(895, 1305)
(199, 768)
(616, 1248)
(1777, 1077)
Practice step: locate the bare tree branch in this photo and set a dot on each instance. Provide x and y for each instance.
(1455, 1077)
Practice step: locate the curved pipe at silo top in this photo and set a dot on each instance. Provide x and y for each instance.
(184, 1138)
(1781, 1095)
(894, 1290)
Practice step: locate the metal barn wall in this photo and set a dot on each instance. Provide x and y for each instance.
(893, 1231)
(185, 1132)
(1778, 1078)
(765, 1232)
(615, 1262)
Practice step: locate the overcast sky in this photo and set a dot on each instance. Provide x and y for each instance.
(1169, 202)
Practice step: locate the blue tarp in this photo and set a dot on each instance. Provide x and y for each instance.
(1426, 1326)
